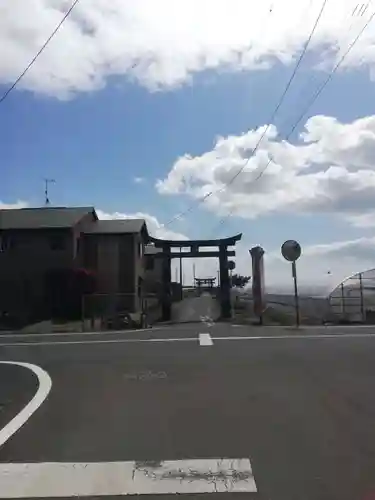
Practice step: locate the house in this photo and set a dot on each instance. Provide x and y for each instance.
(34, 242)
(114, 250)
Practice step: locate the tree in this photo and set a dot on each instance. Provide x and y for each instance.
(240, 281)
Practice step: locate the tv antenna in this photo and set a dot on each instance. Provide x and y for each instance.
(47, 182)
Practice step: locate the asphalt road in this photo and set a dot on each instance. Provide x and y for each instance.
(300, 407)
(17, 386)
(192, 309)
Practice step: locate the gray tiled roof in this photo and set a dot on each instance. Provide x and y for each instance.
(42, 218)
(117, 226)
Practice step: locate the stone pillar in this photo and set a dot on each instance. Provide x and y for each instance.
(166, 285)
(257, 254)
(226, 311)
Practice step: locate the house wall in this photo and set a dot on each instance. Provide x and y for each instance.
(117, 260)
(24, 264)
(100, 254)
(114, 258)
(128, 266)
(108, 264)
(153, 277)
(78, 238)
(153, 286)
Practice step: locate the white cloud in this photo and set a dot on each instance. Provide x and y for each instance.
(139, 180)
(203, 267)
(17, 204)
(155, 228)
(320, 268)
(163, 43)
(330, 170)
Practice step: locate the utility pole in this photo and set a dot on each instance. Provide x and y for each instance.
(291, 251)
(47, 182)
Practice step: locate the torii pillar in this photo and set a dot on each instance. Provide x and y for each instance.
(226, 309)
(166, 305)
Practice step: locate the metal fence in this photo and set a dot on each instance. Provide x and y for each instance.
(353, 301)
(119, 311)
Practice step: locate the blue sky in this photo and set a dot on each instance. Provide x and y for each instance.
(95, 145)
(98, 138)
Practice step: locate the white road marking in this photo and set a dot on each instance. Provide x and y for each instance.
(207, 320)
(205, 339)
(67, 334)
(192, 339)
(126, 478)
(92, 342)
(45, 384)
(305, 327)
(301, 337)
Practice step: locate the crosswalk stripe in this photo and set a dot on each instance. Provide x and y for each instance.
(205, 339)
(57, 479)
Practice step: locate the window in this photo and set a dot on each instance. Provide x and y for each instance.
(57, 242)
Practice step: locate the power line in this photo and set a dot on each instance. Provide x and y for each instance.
(5, 95)
(353, 17)
(274, 113)
(311, 101)
(330, 76)
(207, 195)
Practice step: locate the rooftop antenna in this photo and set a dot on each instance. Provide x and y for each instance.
(47, 182)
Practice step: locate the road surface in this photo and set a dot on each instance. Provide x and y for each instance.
(276, 414)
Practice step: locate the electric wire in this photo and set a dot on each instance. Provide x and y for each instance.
(31, 63)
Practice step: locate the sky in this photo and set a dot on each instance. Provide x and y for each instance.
(168, 110)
